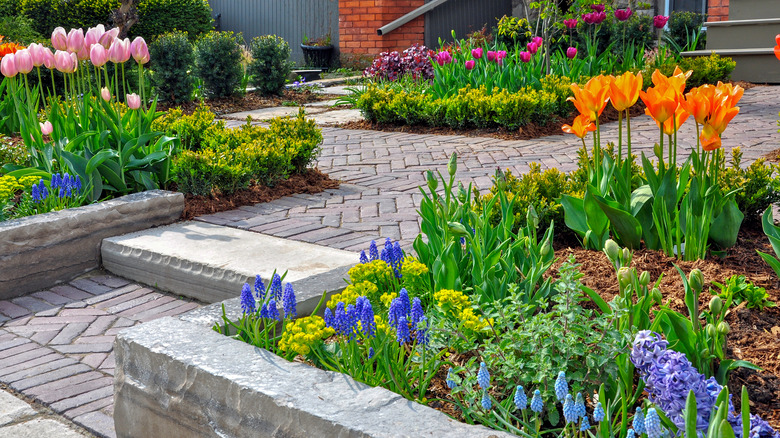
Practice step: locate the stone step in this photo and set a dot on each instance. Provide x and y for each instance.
(752, 9)
(742, 34)
(212, 262)
(759, 66)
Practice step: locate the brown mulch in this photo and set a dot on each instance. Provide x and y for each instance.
(310, 181)
(252, 101)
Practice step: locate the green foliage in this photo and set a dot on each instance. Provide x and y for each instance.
(13, 152)
(513, 31)
(706, 70)
(172, 58)
(270, 65)
(190, 129)
(45, 14)
(758, 185)
(156, 17)
(738, 289)
(85, 13)
(19, 29)
(9, 8)
(218, 63)
(683, 26)
(230, 159)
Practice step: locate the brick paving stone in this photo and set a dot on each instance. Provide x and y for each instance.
(94, 359)
(65, 319)
(44, 337)
(58, 362)
(111, 281)
(146, 306)
(69, 333)
(128, 296)
(51, 297)
(82, 399)
(32, 352)
(54, 311)
(90, 286)
(86, 311)
(9, 353)
(186, 307)
(79, 394)
(51, 376)
(64, 383)
(100, 325)
(135, 303)
(112, 294)
(101, 347)
(50, 357)
(95, 421)
(170, 309)
(15, 342)
(70, 292)
(94, 339)
(12, 310)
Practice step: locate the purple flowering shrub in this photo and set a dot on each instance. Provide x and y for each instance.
(391, 66)
(669, 376)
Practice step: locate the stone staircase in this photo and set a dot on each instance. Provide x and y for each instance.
(749, 38)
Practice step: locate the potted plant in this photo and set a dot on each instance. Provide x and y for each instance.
(317, 52)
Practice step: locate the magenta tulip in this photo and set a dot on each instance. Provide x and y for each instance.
(623, 14)
(525, 56)
(659, 21)
(23, 60)
(105, 94)
(538, 41)
(48, 58)
(93, 35)
(37, 51)
(501, 54)
(491, 55)
(470, 64)
(443, 57)
(46, 128)
(139, 50)
(133, 101)
(571, 24)
(571, 52)
(532, 47)
(98, 55)
(8, 66)
(75, 40)
(59, 39)
(597, 8)
(476, 53)
(594, 17)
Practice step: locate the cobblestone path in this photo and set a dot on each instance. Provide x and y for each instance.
(382, 171)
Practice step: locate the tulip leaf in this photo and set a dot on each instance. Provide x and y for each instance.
(725, 226)
(627, 228)
(574, 214)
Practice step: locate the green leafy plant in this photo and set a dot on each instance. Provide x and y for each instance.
(739, 290)
(156, 17)
(218, 59)
(19, 29)
(685, 26)
(756, 187)
(270, 65)
(172, 58)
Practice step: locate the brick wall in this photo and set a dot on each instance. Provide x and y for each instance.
(359, 20)
(718, 10)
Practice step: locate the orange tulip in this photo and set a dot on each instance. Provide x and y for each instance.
(624, 90)
(661, 104)
(8, 48)
(713, 128)
(698, 102)
(777, 47)
(730, 93)
(580, 127)
(592, 99)
(673, 123)
(676, 81)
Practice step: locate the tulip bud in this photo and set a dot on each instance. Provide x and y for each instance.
(571, 52)
(612, 249)
(657, 296)
(723, 328)
(624, 277)
(644, 278)
(696, 280)
(46, 128)
(457, 228)
(139, 50)
(133, 101)
(105, 94)
(546, 248)
(433, 183)
(48, 58)
(626, 259)
(469, 64)
(658, 151)
(716, 305)
(710, 329)
(705, 353)
(452, 166)
(531, 217)
(462, 193)
(98, 55)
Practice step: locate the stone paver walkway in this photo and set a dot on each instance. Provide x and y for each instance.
(56, 346)
(20, 419)
(382, 171)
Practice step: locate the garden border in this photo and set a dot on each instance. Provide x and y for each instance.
(39, 251)
(178, 377)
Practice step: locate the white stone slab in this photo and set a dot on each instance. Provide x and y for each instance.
(39, 427)
(13, 409)
(211, 262)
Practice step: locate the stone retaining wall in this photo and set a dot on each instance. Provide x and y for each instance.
(177, 377)
(39, 251)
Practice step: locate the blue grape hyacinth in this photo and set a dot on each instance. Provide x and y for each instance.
(569, 411)
(363, 257)
(259, 288)
(417, 311)
(521, 401)
(276, 287)
(247, 300)
(585, 424)
(537, 405)
(367, 323)
(402, 333)
(653, 424)
(639, 421)
(631, 433)
(421, 331)
(561, 386)
(273, 312)
(288, 302)
(373, 252)
(483, 376)
(579, 406)
(450, 382)
(486, 402)
(598, 413)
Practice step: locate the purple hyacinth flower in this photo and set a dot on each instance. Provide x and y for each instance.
(363, 258)
(373, 253)
(247, 300)
(259, 288)
(417, 311)
(402, 333)
(289, 302)
(276, 287)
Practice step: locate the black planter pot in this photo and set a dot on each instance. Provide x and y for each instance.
(317, 56)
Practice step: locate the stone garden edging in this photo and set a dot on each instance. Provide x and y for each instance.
(39, 251)
(178, 377)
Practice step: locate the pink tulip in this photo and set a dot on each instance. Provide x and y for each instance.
(108, 38)
(525, 56)
(63, 62)
(491, 55)
(8, 66)
(133, 101)
(59, 39)
(571, 52)
(139, 50)
(23, 60)
(48, 58)
(119, 51)
(37, 51)
(476, 53)
(659, 21)
(46, 128)
(83, 53)
(470, 64)
(538, 41)
(597, 8)
(98, 55)
(93, 35)
(571, 24)
(105, 94)
(501, 54)
(75, 40)
(532, 47)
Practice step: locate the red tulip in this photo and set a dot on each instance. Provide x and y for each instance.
(133, 101)
(571, 24)
(571, 52)
(659, 21)
(8, 66)
(470, 64)
(75, 40)
(59, 39)
(140, 50)
(623, 14)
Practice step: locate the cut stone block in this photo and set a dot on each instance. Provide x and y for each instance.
(13, 409)
(212, 262)
(36, 252)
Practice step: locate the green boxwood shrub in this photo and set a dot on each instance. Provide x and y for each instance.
(19, 29)
(706, 70)
(85, 13)
(172, 58)
(45, 14)
(218, 63)
(9, 8)
(156, 17)
(270, 65)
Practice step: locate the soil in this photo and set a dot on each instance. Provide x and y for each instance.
(252, 101)
(310, 181)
